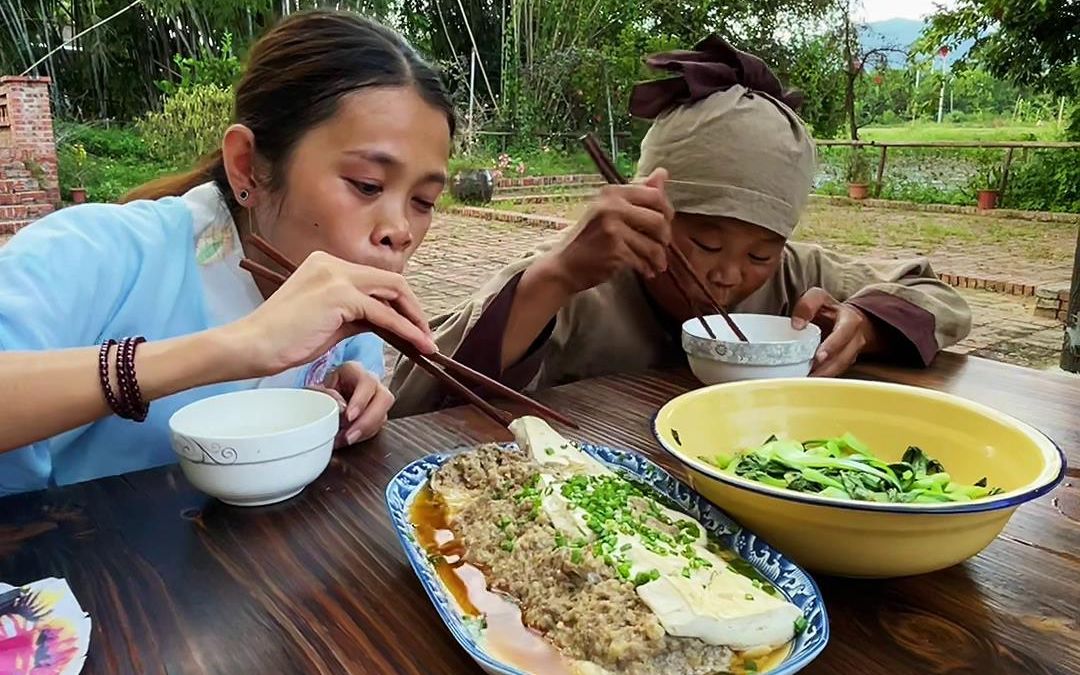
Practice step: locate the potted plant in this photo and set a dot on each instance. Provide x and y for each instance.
(988, 193)
(473, 184)
(858, 174)
(78, 165)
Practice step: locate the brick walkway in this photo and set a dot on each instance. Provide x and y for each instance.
(1004, 328)
(461, 253)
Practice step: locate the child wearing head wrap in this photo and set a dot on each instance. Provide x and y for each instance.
(724, 174)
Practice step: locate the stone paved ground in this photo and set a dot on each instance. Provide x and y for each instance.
(1005, 329)
(460, 253)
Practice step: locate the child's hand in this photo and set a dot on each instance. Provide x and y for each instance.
(627, 226)
(849, 332)
(364, 402)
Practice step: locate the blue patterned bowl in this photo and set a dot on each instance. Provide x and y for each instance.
(795, 584)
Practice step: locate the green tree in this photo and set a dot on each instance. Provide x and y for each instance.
(114, 69)
(1031, 44)
(884, 95)
(816, 69)
(977, 92)
(1035, 44)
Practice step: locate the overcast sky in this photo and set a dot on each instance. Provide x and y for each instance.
(878, 10)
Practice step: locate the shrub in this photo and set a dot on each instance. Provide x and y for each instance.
(1048, 181)
(858, 168)
(890, 118)
(116, 160)
(190, 124)
(219, 68)
(101, 140)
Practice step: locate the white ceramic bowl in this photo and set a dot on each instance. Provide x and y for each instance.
(775, 348)
(257, 446)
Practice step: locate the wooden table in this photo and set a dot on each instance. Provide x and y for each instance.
(179, 583)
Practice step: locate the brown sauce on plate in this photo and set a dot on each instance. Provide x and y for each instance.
(508, 638)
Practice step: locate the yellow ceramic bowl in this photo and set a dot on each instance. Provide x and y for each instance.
(854, 538)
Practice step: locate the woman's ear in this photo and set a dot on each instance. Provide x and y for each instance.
(238, 156)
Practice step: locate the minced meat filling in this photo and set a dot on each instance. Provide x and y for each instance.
(567, 593)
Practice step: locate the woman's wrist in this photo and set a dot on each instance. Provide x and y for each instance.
(208, 357)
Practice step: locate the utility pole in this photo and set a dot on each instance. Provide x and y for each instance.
(941, 96)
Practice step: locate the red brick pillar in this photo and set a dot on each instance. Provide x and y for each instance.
(26, 131)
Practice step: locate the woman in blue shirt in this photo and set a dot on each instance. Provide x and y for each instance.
(337, 154)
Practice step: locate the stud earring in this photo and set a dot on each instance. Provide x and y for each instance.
(243, 196)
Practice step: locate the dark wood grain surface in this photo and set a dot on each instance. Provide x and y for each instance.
(176, 582)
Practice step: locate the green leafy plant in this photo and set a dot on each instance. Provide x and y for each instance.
(858, 168)
(990, 177)
(1049, 180)
(78, 164)
(190, 124)
(844, 468)
(102, 139)
(117, 159)
(220, 68)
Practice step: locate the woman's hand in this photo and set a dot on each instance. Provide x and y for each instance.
(628, 226)
(849, 332)
(363, 399)
(325, 301)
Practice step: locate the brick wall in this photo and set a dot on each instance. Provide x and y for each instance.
(29, 188)
(1052, 301)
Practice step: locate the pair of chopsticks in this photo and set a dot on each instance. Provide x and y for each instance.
(444, 374)
(607, 169)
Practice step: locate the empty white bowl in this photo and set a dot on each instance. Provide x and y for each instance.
(256, 446)
(775, 348)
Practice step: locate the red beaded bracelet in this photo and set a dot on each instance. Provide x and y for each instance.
(129, 404)
(106, 384)
(136, 407)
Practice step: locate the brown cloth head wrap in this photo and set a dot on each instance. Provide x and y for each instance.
(726, 131)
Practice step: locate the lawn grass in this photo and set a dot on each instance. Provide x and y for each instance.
(933, 132)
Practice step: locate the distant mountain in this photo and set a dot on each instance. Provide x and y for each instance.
(901, 34)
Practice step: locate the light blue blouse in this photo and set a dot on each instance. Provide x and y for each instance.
(160, 269)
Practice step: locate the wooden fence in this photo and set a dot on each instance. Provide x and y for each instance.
(1009, 147)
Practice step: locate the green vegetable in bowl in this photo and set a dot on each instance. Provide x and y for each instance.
(845, 468)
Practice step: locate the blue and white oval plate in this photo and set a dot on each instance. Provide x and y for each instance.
(794, 583)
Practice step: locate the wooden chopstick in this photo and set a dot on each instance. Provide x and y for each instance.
(442, 376)
(427, 363)
(691, 303)
(261, 271)
(271, 252)
(708, 293)
(611, 174)
(603, 163)
(478, 378)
